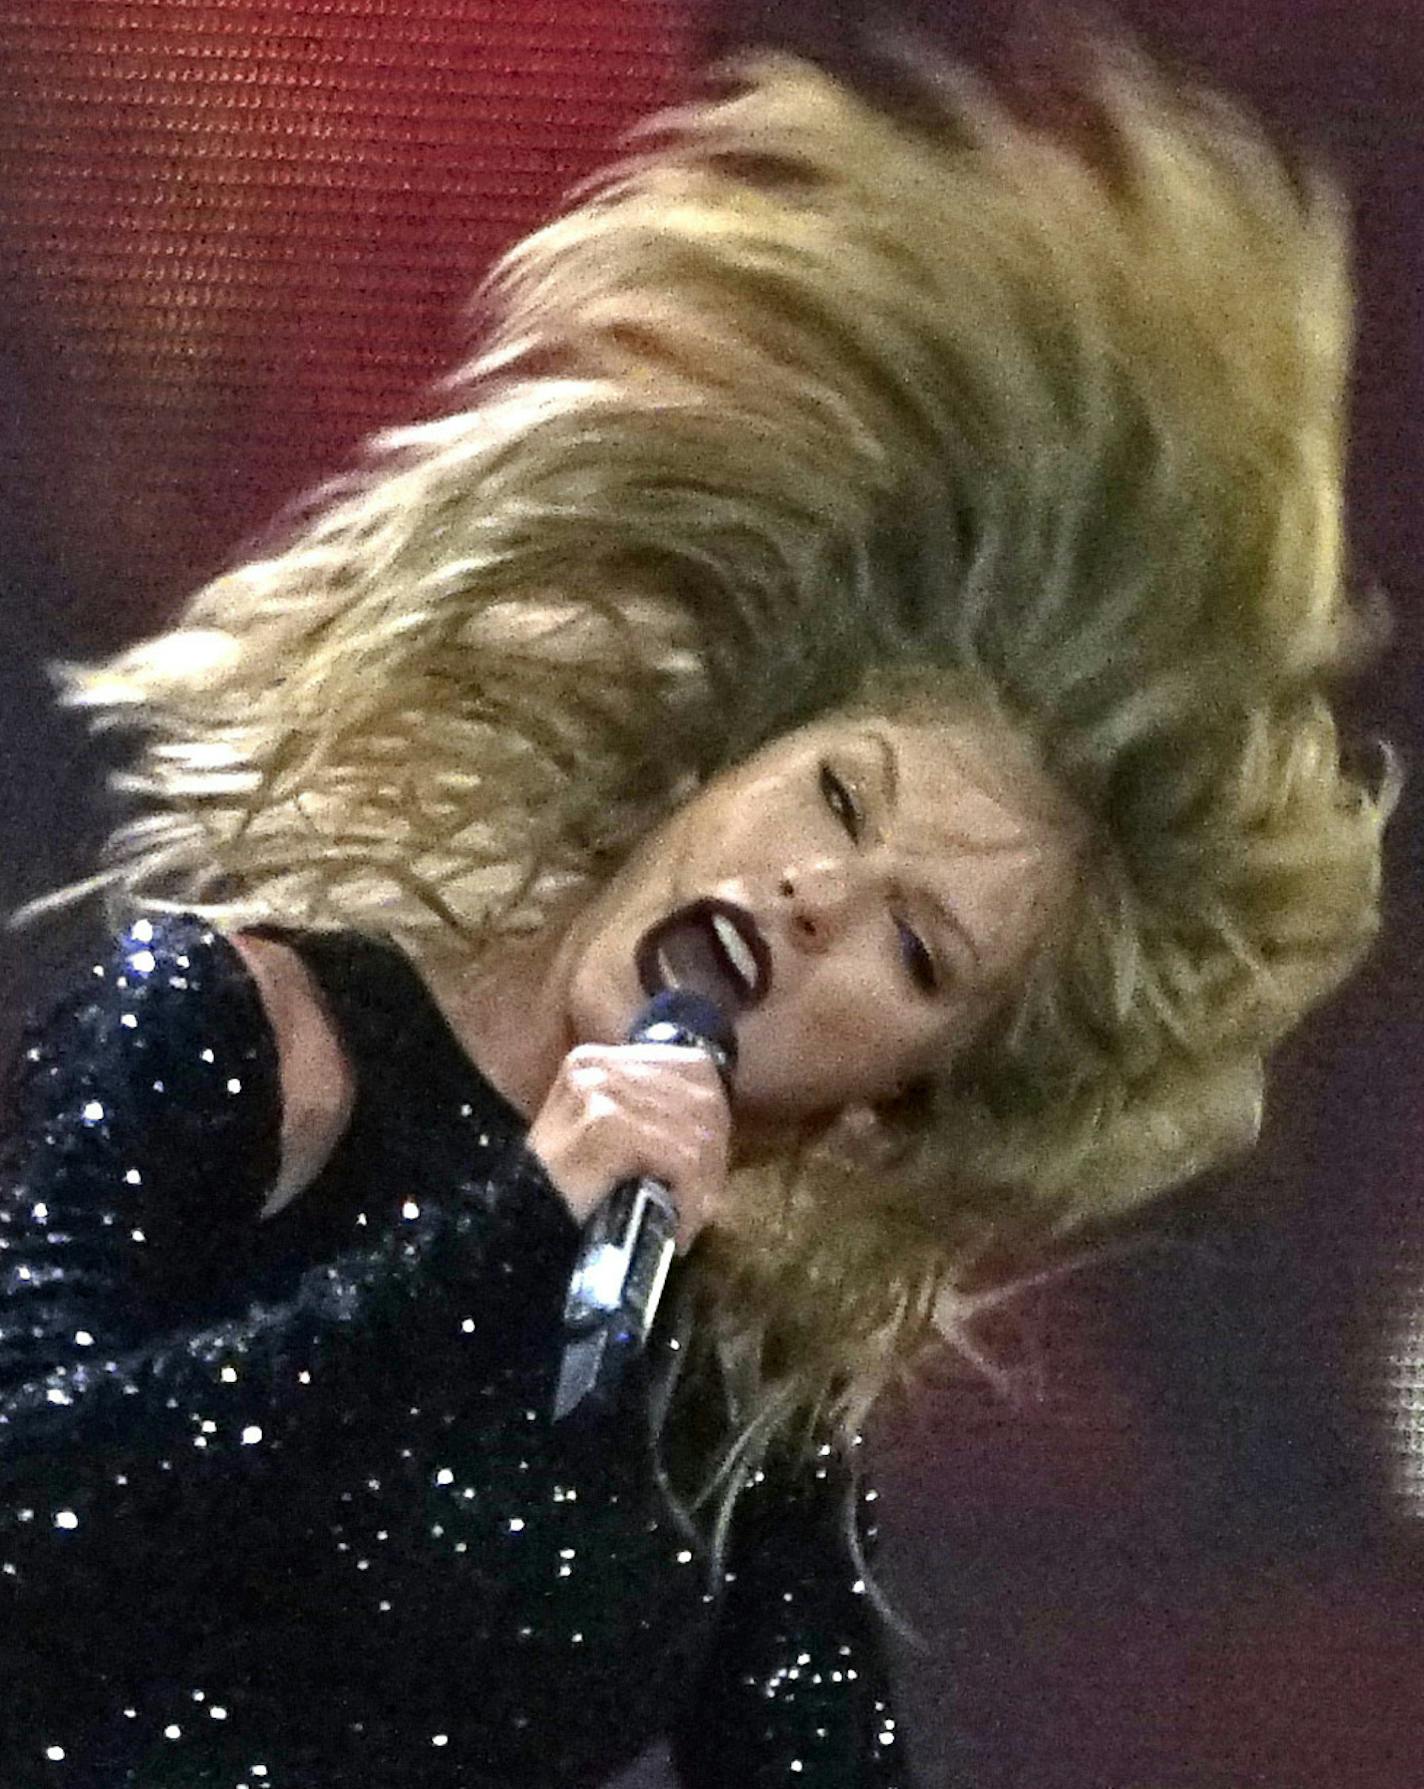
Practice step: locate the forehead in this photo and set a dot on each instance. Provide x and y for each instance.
(970, 807)
(993, 839)
(971, 773)
(972, 784)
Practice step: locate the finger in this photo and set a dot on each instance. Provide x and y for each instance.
(690, 1164)
(598, 1089)
(672, 1056)
(607, 1131)
(648, 1062)
(591, 1100)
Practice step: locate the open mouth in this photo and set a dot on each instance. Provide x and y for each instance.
(714, 948)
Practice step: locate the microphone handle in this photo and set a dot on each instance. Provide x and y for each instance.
(628, 1244)
(614, 1293)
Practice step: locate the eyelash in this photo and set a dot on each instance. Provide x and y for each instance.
(919, 963)
(918, 960)
(842, 803)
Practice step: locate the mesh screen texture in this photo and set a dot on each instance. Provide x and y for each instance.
(236, 235)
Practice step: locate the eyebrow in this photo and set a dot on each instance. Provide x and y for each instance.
(891, 766)
(892, 792)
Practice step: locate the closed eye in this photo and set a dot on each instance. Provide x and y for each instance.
(918, 959)
(842, 803)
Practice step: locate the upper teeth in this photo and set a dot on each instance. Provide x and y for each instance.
(739, 952)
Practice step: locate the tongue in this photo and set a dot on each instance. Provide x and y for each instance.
(689, 957)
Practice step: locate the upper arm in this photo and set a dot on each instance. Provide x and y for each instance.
(796, 1688)
(318, 1086)
(140, 1138)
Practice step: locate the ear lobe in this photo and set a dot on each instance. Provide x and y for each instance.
(861, 1134)
(859, 1121)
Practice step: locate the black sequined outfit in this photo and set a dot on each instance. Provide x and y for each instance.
(280, 1505)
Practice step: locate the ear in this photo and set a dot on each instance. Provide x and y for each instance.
(859, 1122)
(861, 1135)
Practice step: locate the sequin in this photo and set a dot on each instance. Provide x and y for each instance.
(276, 1496)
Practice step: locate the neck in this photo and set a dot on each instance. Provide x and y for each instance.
(508, 1011)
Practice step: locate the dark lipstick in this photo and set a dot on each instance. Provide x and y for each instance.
(717, 937)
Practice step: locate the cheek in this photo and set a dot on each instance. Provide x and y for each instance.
(744, 829)
(809, 1058)
(1018, 913)
(603, 996)
(594, 1014)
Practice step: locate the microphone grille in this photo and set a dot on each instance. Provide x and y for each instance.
(679, 1016)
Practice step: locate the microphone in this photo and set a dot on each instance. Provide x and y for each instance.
(629, 1242)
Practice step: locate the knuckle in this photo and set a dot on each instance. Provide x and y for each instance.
(582, 1078)
(676, 1059)
(601, 1109)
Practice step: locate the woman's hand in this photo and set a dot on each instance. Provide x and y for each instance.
(618, 1112)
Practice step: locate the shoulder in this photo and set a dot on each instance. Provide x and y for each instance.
(166, 1014)
(318, 1085)
(145, 1096)
(215, 1040)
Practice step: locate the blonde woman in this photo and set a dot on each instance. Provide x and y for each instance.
(884, 573)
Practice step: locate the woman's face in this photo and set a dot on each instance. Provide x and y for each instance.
(859, 896)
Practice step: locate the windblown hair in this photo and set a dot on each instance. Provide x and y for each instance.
(808, 405)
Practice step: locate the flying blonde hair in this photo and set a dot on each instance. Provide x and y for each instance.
(812, 404)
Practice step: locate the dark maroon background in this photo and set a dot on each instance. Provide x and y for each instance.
(1183, 1549)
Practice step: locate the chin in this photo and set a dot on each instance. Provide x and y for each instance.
(601, 1014)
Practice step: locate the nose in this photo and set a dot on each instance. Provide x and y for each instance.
(816, 899)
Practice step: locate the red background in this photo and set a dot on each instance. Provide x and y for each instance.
(1183, 1551)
